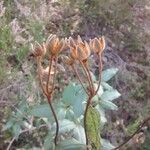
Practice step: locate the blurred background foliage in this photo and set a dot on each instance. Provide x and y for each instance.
(126, 27)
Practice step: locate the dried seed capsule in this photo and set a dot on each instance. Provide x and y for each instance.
(67, 60)
(38, 50)
(54, 45)
(97, 45)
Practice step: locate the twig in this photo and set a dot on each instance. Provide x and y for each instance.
(100, 73)
(86, 73)
(56, 120)
(90, 78)
(49, 73)
(78, 76)
(139, 128)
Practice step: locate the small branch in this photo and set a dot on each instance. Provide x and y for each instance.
(90, 78)
(139, 128)
(49, 74)
(78, 76)
(100, 73)
(86, 73)
(55, 68)
(56, 120)
(40, 78)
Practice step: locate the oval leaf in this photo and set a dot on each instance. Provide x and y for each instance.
(108, 74)
(93, 128)
(110, 95)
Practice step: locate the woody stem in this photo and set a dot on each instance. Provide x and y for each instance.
(88, 77)
(100, 72)
(49, 73)
(39, 76)
(54, 74)
(56, 120)
(78, 76)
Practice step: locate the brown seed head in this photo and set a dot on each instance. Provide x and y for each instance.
(38, 50)
(54, 45)
(83, 51)
(79, 50)
(68, 60)
(98, 45)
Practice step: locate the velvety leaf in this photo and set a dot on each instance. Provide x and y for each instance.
(106, 86)
(110, 95)
(74, 96)
(70, 144)
(42, 110)
(101, 111)
(106, 145)
(16, 130)
(8, 125)
(100, 90)
(108, 74)
(108, 105)
(70, 115)
(66, 126)
(48, 142)
(79, 134)
(93, 128)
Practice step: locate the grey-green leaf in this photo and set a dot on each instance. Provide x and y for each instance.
(93, 128)
(70, 144)
(108, 105)
(42, 110)
(66, 126)
(74, 96)
(48, 142)
(108, 74)
(106, 145)
(79, 134)
(110, 95)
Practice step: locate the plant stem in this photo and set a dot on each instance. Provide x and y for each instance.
(56, 120)
(49, 73)
(86, 73)
(55, 67)
(90, 78)
(100, 73)
(78, 76)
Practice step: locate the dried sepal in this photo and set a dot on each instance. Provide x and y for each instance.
(38, 50)
(98, 44)
(67, 60)
(54, 45)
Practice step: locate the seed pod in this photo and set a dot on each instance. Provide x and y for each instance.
(38, 50)
(97, 45)
(83, 51)
(54, 45)
(67, 60)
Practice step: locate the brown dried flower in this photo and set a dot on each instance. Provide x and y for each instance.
(98, 45)
(38, 50)
(79, 50)
(67, 60)
(54, 45)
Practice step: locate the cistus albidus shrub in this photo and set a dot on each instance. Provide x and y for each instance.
(77, 59)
